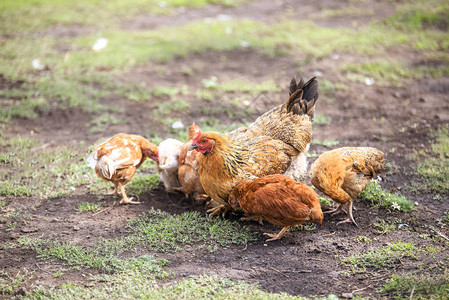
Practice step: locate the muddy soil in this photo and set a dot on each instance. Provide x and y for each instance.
(304, 262)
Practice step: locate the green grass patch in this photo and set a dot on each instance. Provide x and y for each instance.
(381, 258)
(420, 15)
(88, 206)
(384, 227)
(10, 283)
(75, 75)
(14, 188)
(40, 14)
(100, 122)
(103, 256)
(324, 201)
(237, 85)
(381, 198)
(25, 109)
(143, 183)
(363, 239)
(325, 143)
(385, 73)
(349, 10)
(38, 171)
(391, 73)
(137, 285)
(166, 107)
(164, 232)
(423, 287)
(33, 169)
(434, 168)
(321, 119)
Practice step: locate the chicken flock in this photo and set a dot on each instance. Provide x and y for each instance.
(259, 169)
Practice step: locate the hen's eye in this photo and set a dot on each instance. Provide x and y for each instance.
(203, 141)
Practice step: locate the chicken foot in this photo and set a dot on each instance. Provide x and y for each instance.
(220, 209)
(337, 210)
(350, 219)
(125, 199)
(274, 236)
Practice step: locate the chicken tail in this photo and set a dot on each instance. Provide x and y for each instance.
(303, 97)
(107, 166)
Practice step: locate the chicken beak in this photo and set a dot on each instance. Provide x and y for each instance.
(193, 147)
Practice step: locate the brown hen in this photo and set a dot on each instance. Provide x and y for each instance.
(188, 175)
(271, 145)
(343, 173)
(118, 158)
(279, 200)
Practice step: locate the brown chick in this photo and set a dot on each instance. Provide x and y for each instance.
(279, 200)
(343, 173)
(118, 158)
(188, 175)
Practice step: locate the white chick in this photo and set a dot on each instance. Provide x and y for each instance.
(168, 163)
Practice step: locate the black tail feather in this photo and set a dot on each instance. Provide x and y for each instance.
(303, 96)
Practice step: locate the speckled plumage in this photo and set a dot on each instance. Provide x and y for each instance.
(267, 146)
(344, 172)
(118, 158)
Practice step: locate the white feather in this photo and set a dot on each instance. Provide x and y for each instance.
(168, 156)
(107, 166)
(91, 161)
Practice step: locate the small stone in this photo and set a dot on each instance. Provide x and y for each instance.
(3, 220)
(29, 229)
(422, 99)
(76, 228)
(347, 295)
(54, 220)
(14, 236)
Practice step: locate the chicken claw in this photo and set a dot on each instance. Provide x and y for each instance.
(276, 236)
(128, 201)
(125, 199)
(339, 209)
(350, 219)
(220, 209)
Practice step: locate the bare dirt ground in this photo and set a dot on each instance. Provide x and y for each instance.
(305, 263)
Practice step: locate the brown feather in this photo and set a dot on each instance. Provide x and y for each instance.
(279, 200)
(344, 172)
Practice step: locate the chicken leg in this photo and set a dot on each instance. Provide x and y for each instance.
(350, 218)
(220, 209)
(125, 199)
(274, 236)
(339, 209)
(115, 191)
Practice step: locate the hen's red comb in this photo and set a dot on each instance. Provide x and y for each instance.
(196, 138)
